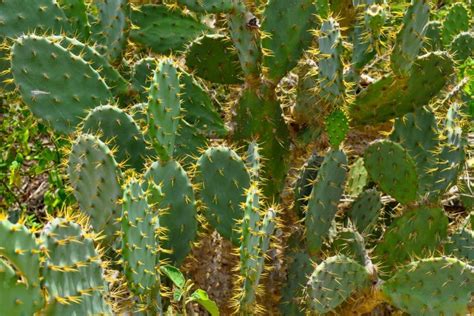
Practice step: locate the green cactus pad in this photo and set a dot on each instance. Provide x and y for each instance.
(366, 209)
(255, 240)
(287, 26)
(213, 58)
(333, 281)
(110, 27)
(76, 12)
(246, 39)
(164, 30)
(436, 286)
(451, 153)
(209, 6)
(177, 208)
(462, 46)
(73, 271)
(223, 178)
(16, 297)
(259, 117)
(390, 96)
(198, 108)
(95, 178)
(418, 133)
(362, 42)
(120, 131)
(139, 243)
(417, 233)
(461, 245)
(337, 126)
(19, 17)
(252, 261)
(331, 68)
(18, 248)
(308, 106)
(325, 195)
(410, 37)
(299, 269)
(304, 183)
(48, 77)
(433, 41)
(111, 76)
(200, 121)
(396, 176)
(164, 109)
(455, 22)
(350, 243)
(142, 75)
(357, 178)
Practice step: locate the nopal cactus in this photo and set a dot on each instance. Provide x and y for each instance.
(185, 120)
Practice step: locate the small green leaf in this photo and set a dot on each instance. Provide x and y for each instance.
(177, 294)
(174, 275)
(203, 299)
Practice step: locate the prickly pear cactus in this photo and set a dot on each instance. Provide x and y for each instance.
(120, 131)
(73, 270)
(139, 239)
(325, 195)
(223, 179)
(433, 286)
(333, 281)
(48, 77)
(19, 270)
(397, 176)
(23, 16)
(176, 208)
(95, 178)
(164, 108)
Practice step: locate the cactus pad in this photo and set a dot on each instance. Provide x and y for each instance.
(333, 281)
(176, 209)
(120, 131)
(48, 77)
(436, 286)
(223, 178)
(19, 17)
(164, 30)
(209, 6)
(139, 243)
(287, 25)
(212, 58)
(73, 271)
(391, 96)
(95, 178)
(418, 232)
(324, 198)
(396, 176)
(164, 108)
(366, 209)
